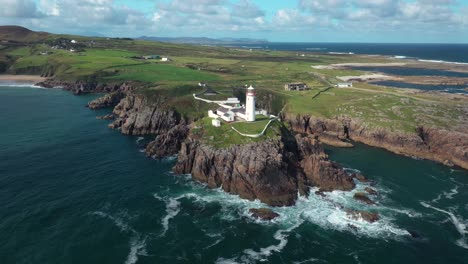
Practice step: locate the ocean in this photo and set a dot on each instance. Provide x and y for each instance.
(74, 191)
(457, 53)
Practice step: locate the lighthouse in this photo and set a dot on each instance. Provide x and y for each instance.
(250, 105)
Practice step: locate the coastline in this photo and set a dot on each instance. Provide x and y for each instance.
(20, 79)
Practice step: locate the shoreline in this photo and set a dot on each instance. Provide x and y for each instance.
(20, 79)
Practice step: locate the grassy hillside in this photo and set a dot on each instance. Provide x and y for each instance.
(227, 70)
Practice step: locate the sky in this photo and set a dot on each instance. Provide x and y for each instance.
(387, 21)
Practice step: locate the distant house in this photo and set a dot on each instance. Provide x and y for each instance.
(165, 59)
(202, 84)
(151, 57)
(74, 41)
(296, 86)
(344, 85)
(72, 50)
(216, 123)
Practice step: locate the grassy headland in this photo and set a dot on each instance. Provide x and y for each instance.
(227, 70)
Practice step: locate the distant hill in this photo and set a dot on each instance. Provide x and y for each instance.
(206, 41)
(21, 34)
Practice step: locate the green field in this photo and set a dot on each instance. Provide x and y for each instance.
(225, 136)
(227, 71)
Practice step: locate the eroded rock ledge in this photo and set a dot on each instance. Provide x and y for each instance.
(447, 147)
(273, 171)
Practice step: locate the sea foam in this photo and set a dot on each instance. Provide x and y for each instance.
(137, 241)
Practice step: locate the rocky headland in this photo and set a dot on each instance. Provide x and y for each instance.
(273, 171)
(447, 147)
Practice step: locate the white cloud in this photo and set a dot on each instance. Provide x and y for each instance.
(211, 17)
(19, 9)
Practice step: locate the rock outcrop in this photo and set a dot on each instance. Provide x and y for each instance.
(85, 87)
(366, 216)
(447, 147)
(137, 115)
(362, 197)
(273, 171)
(263, 214)
(319, 170)
(108, 100)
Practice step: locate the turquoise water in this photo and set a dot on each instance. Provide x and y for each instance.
(462, 89)
(74, 191)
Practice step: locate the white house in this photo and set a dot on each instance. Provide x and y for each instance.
(73, 41)
(165, 59)
(344, 85)
(216, 122)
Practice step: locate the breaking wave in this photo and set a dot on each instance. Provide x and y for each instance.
(172, 210)
(460, 224)
(328, 212)
(137, 241)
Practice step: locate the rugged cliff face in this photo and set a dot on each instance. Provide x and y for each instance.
(448, 147)
(136, 115)
(273, 171)
(108, 100)
(83, 87)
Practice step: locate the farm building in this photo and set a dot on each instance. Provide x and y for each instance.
(151, 57)
(344, 85)
(296, 86)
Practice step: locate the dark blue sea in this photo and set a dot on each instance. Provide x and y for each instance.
(74, 191)
(435, 52)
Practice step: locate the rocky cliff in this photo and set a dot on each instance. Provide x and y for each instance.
(84, 87)
(273, 171)
(108, 100)
(139, 116)
(447, 147)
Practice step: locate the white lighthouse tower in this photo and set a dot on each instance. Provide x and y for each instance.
(250, 105)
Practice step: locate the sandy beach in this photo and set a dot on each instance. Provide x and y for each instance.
(21, 78)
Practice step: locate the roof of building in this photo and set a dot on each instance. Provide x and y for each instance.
(210, 91)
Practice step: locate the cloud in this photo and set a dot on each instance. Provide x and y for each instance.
(19, 9)
(241, 17)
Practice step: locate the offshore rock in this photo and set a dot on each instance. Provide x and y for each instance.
(362, 197)
(263, 214)
(371, 191)
(366, 216)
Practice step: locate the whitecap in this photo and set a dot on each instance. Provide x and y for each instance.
(452, 193)
(226, 261)
(137, 243)
(459, 224)
(172, 210)
(311, 260)
(137, 248)
(280, 235)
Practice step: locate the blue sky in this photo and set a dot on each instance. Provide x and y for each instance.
(276, 20)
